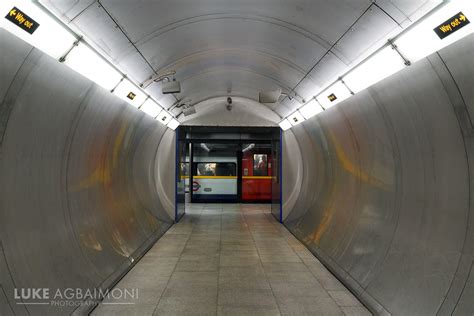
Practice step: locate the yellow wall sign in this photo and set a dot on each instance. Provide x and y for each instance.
(332, 97)
(131, 95)
(23, 21)
(452, 25)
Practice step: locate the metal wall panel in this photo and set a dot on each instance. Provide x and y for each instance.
(292, 170)
(386, 188)
(79, 199)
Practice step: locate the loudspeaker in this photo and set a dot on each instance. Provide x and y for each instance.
(171, 87)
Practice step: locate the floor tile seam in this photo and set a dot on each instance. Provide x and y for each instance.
(265, 273)
(313, 274)
(219, 265)
(174, 269)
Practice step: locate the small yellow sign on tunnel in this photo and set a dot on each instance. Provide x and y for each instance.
(332, 97)
(22, 20)
(131, 95)
(452, 25)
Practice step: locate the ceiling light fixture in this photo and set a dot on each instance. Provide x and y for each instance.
(130, 93)
(285, 124)
(173, 124)
(151, 108)
(88, 63)
(444, 25)
(43, 32)
(311, 109)
(36, 25)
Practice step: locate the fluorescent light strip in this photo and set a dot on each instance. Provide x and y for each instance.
(333, 95)
(296, 118)
(415, 43)
(421, 40)
(285, 125)
(164, 117)
(311, 109)
(378, 67)
(50, 37)
(57, 40)
(173, 124)
(151, 108)
(127, 91)
(93, 66)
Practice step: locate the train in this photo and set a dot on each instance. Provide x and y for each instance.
(217, 178)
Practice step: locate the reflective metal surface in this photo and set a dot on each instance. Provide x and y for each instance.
(386, 188)
(78, 169)
(240, 47)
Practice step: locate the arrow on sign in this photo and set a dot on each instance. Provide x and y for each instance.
(462, 18)
(13, 12)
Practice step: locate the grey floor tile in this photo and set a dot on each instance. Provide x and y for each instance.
(309, 306)
(208, 264)
(239, 261)
(298, 289)
(131, 281)
(139, 297)
(243, 282)
(280, 258)
(186, 306)
(224, 310)
(330, 282)
(355, 311)
(292, 276)
(253, 271)
(246, 297)
(344, 298)
(232, 260)
(190, 278)
(125, 310)
(285, 267)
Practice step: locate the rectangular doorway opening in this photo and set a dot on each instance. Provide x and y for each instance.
(228, 165)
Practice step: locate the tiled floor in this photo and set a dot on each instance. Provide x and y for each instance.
(231, 260)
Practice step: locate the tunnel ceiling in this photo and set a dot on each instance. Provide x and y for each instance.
(239, 47)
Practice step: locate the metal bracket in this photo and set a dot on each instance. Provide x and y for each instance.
(158, 78)
(112, 91)
(293, 95)
(345, 85)
(75, 44)
(395, 48)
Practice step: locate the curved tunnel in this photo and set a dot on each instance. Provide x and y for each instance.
(380, 189)
(84, 179)
(377, 187)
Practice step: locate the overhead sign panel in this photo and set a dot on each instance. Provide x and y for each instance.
(22, 20)
(452, 25)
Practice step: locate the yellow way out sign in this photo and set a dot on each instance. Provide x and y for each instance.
(22, 20)
(452, 25)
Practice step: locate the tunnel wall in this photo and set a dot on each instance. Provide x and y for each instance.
(82, 195)
(386, 188)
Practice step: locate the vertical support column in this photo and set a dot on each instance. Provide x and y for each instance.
(239, 173)
(280, 174)
(177, 172)
(191, 171)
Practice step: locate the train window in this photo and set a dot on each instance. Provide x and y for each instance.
(184, 169)
(260, 165)
(216, 169)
